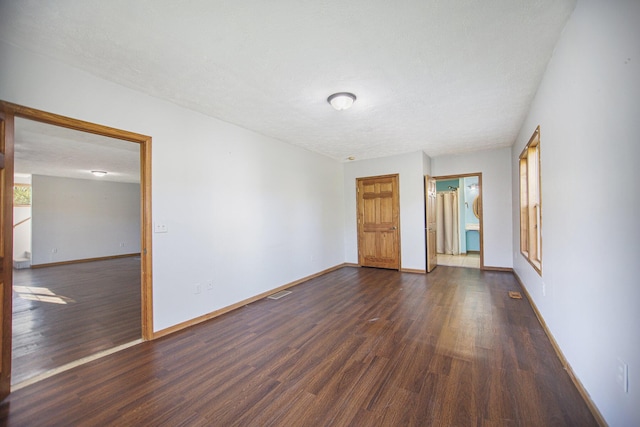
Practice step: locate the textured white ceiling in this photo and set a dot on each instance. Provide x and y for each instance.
(42, 149)
(439, 76)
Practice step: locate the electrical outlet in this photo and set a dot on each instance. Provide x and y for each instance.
(622, 377)
(160, 227)
(197, 288)
(54, 250)
(122, 244)
(210, 285)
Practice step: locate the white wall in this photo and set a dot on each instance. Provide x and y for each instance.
(495, 166)
(411, 168)
(244, 211)
(588, 109)
(75, 219)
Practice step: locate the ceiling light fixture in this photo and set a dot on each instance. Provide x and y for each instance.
(99, 173)
(341, 100)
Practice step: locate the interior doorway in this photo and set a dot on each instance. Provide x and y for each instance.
(66, 215)
(457, 203)
(11, 112)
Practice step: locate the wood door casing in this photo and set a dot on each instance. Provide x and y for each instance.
(431, 237)
(15, 110)
(7, 113)
(6, 249)
(378, 206)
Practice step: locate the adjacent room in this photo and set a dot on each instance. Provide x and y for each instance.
(310, 147)
(76, 247)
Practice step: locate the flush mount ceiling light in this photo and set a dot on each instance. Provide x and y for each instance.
(99, 173)
(341, 100)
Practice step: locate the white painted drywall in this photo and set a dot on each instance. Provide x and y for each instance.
(495, 166)
(411, 168)
(426, 165)
(75, 219)
(588, 109)
(243, 211)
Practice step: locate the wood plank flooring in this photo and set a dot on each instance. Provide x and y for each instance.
(358, 346)
(64, 313)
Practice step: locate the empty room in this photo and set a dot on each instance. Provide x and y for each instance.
(346, 213)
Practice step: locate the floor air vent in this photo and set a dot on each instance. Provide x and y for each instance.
(279, 295)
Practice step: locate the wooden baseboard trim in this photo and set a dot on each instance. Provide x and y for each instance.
(413, 270)
(563, 360)
(224, 310)
(350, 264)
(78, 261)
(489, 268)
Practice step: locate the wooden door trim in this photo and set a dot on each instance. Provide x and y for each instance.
(396, 176)
(429, 267)
(144, 141)
(480, 206)
(6, 128)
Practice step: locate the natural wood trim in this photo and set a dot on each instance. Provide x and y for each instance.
(145, 190)
(462, 175)
(350, 264)
(563, 360)
(80, 261)
(489, 268)
(526, 229)
(146, 230)
(413, 270)
(21, 222)
(67, 122)
(6, 240)
(219, 312)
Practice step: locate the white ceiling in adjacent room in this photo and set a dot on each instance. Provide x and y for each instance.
(443, 77)
(42, 149)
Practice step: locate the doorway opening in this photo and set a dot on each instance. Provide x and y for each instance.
(81, 265)
(458, 220)
(67, 216)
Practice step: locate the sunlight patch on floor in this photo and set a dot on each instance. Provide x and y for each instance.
(36, 293)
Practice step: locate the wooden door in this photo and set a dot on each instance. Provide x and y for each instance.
(6, 249)
(430, 200)
(378, 205)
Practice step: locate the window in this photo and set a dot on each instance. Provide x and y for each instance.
(22, 195)
(530, 203)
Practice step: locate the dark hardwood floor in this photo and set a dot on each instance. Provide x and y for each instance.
(361, 347)
(64, 313)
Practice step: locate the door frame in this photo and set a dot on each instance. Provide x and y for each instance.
(429, 208)
(480, 210)
(6, 240)
(14, 110)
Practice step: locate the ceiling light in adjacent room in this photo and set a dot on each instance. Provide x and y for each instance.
(99, 173)
(341, 100)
